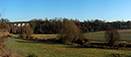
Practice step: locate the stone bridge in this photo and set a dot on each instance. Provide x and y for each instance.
(16, 24)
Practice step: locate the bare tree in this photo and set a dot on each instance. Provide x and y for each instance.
(112, 36)
(3, 10)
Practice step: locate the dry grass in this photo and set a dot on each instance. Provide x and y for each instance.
(45, 36)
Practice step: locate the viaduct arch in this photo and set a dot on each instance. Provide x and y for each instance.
(15, 25)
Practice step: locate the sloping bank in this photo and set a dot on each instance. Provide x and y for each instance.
(3, 51)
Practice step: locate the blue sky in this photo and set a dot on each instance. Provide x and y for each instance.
(25, 10)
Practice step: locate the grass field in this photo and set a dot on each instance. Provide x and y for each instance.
(94, 36)
(99, 36)
(46, 49)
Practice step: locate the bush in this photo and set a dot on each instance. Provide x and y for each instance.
(27, 30)
(112, 36)
(69, 32)
(23, 35)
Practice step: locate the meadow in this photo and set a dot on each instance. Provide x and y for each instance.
(50, 49)
(99, 36)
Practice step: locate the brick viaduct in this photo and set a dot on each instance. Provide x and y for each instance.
(15, 25)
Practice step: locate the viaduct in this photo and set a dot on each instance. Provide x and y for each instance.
(16, 24)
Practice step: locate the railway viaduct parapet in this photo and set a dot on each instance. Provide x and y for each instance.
(15, 25)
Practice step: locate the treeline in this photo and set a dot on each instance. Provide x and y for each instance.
(98, 25)
(53, 26)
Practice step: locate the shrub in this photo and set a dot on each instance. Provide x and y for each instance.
(111, 35)
(69, 32)
(27, 30)
(23, 35)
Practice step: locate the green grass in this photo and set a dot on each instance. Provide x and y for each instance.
(99, 36)
(44, 49)
(93, 36)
